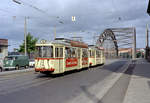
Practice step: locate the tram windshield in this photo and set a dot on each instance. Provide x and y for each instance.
(44, 51)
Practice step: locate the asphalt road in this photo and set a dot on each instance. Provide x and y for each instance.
(31, 87)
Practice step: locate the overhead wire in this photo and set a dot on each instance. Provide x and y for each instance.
(38, 9)
(115, 9)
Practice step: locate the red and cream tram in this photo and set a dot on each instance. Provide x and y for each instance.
(96, 56)
(64, 55)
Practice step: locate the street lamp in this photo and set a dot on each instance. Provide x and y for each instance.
(25, 31)
(73, 20)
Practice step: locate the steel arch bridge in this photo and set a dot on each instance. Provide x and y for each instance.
(118, 38)
(104, 36)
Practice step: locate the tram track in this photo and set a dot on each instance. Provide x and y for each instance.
(54, 89)
(23, 86)
(13, 76)
(23, 81)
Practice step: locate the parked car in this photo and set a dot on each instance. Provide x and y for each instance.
(1, 65)
(31, 63)
(15, 62)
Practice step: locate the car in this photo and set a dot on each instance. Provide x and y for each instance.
(15, 62)
(1, 65)
(31, 63)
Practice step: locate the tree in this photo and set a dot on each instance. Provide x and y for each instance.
(31, 41)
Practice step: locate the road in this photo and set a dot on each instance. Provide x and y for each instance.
(31, 87)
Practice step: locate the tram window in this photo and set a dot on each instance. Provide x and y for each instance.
(98, 53)
(56, 52)
(79, 53)
(70, 53)
(91, 53)
(61, 52)
(84, 53)
(38, 51)
(73, 52)
(47, 51)
(44, 51)
(67, 52)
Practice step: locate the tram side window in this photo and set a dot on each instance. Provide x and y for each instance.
(91, 53)
(61, 52)
(70, 52)
(98, 54)
(79, 51)
(67, 52)
(47, 51)
(84, 53)
(73, 52)
(56, 52)
(38, 51)
(44, 51)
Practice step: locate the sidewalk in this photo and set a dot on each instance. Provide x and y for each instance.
(16, 71)
(139, 87)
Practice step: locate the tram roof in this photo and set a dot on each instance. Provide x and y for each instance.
(53, 43)
(58, 41)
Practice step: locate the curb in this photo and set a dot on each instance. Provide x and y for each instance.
(16, 71)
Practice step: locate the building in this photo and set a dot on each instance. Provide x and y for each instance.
(127, 52)
(3, 48)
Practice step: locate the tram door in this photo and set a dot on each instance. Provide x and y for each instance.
(79, 58)
(59, 54)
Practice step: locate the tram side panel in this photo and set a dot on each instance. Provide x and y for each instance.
(92, 57)
(98, 57)
(58, 62)
(44, 64)
(102, 57)
(71, 60)
(85, 62)
(79, 52)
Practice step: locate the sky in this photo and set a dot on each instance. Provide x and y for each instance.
(92, 18)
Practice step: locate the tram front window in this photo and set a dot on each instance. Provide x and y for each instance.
(44, 51)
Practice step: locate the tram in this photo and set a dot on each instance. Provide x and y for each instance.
(63, 55)
(96, 56)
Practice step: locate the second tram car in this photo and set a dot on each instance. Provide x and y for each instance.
(64, 55)
(96, 56)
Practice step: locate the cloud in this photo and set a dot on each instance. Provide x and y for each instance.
(92, 16)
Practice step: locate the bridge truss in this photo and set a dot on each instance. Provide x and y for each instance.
(113, 40)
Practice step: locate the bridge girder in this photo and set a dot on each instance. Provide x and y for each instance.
(106, 34)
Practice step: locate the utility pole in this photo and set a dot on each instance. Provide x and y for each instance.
(54, 32)
(73, 20)
(134, 45)
(147, 36)
(25, 39)
(147, 42)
